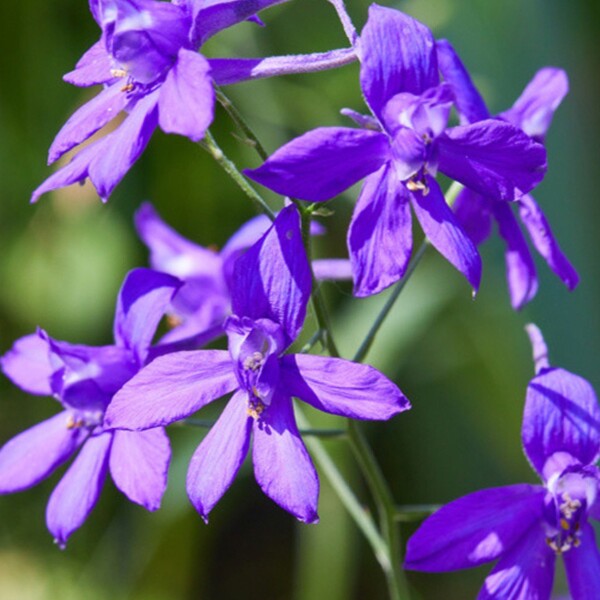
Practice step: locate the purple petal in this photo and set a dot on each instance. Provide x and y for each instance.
(322, 163)
(143, 300)
(364, 121)
(520, 269)
(380, 234)
(32, 455)
(249, 233)
(93, 67)
(170, 388)
(538, 345)
(561, 415)
(282, 466)
(473, 213)
(444, 232)
(583, 566)
(342, 387)
(469, 103)
(493, 158)
(92, 116)
(78, 491)
(543, 239)
(525, 572)
(139, 462)
(335, 269)
(397, 54)
(27, 364)
(534, 109)
(272, 280)
(220, 456)
(475, 529)
(187, 99)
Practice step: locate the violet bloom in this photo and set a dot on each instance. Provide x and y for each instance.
(532, 112)
(526, 526)
(84, 379)
(399, 152)
(270, 291)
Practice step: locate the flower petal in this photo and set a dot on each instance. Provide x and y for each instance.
(341, 387)
(78, 491)
(282, 466)
(444, 232)
(27, 364)
(334, 269)
(475, 529)
(380, 233)
(32, 455)
(493, 158)
(474, 214)
(139, 462)
(220, 456)
(170, 388)
(322, 163)
(583, 566)
(93, 67)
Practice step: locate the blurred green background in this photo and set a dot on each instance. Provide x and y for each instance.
(464, 364)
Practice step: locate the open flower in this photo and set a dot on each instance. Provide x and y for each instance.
(270, 292)
(84, 379)
(526, 526)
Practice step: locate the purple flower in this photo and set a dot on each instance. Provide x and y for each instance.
(532, 112)
(84, 379)
(201, 305)
(399, 152)
(270, 291)
(526, 526)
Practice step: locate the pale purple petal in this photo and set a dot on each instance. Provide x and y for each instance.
(93, 67)
(538, 346)
(322, 163)
(380, 233)
(248, 234)
(187, 99)
(220, 456)
(583, 566)
(543, 239)
(364, 121)
(335, 269)
(493, 158)
(474, 214)
(27, 364)
(561, 415)
(397, 54)
(525, 572)
(32, 455)
(475, 529)
(272, 279)
(444, 232)
(139, 461)
(341, 387)
(171, 388)
(282, 466)
(78, 491)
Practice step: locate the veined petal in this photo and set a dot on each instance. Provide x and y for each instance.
(341, 387)
(187, 100)
(139, 461)
(474, 214)
(322, 163)
(475, 529)
(220, 456)
(561, 415)
(444, 232)
(335, 269)
(525, 572)
(397, 54)
(282, 466)
(93, 67)
(27, 364)
(249, 233)
(78, 491)
(583, 566)
(32, 455)
(380, 233)
(493, 158)
(170, 388)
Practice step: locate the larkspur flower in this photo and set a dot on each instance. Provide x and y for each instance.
(270, 292)
(532, 112)
(399, 151)
(526, 526)
(84, 379)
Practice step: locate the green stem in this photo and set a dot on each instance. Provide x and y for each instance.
(414, 512)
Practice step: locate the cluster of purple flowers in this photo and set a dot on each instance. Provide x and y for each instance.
(116, 400)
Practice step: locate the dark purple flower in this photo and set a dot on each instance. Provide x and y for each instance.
(532, 112)
(270, 292)
(524, 526)
(399, 152)
(84, 379)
